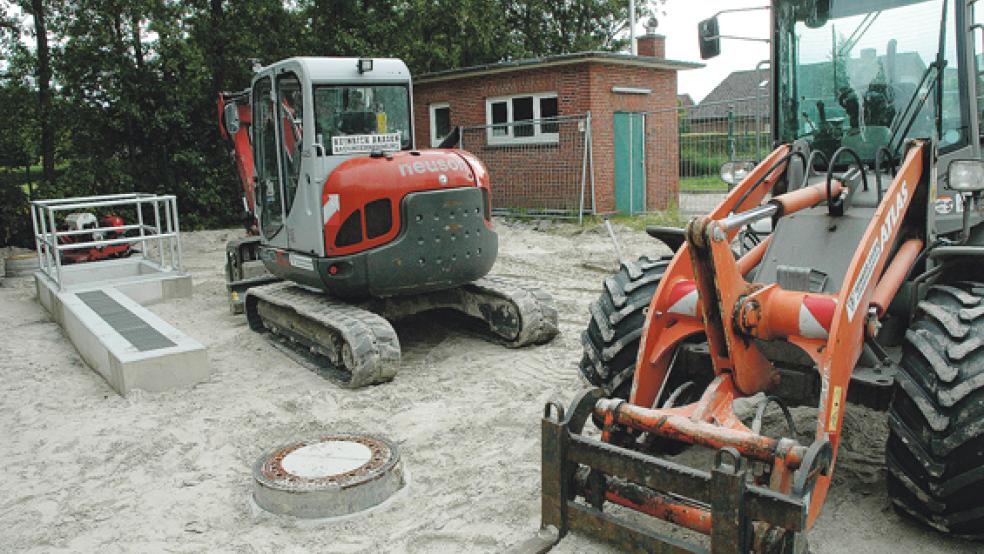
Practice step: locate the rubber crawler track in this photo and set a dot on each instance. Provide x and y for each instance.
(375, 347)
(535, 308)
(517, 314)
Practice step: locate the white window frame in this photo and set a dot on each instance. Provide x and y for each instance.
(434, 139)
(539, 137)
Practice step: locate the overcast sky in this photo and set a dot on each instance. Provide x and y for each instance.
(680, 27)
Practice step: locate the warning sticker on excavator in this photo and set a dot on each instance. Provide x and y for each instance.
(835, 406)
(364, 144)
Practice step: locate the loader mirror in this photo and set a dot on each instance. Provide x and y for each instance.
(819, 14)
(966, 175)
(709, 38)
(231, 116)
(734, 172)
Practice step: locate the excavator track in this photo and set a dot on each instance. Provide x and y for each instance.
(356, 345)
(518, 313)
(507, 311)
(346, 337)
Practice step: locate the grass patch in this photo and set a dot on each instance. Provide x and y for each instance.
(665, 218)
(706, 182)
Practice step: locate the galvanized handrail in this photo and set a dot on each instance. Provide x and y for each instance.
(165, 231)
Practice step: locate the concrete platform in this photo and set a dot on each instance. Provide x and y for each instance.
(99, 307)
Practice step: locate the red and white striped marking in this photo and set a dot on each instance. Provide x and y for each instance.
(683, 298)
(816, 315)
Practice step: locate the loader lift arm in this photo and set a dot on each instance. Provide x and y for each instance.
(734, 314)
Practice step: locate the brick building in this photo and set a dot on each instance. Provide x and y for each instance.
(538, 165)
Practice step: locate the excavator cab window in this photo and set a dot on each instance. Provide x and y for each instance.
(291, 106)
(268, 194)
(362, 111)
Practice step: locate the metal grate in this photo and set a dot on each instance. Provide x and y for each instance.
(135, 330)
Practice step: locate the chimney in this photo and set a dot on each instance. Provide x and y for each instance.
(652, 45)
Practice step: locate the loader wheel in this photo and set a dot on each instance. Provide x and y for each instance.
(611, 341)
(935, 450)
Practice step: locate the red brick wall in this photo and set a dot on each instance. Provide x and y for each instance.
(521, 175)
(467, 96)
(662, 154)
(651, 45)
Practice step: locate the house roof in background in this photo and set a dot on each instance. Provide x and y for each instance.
(559, 59)
(685, 100)
(743, 91)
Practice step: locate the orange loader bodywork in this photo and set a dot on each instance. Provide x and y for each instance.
(730, 311)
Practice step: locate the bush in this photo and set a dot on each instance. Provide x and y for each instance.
(703, 153)
(15, 217)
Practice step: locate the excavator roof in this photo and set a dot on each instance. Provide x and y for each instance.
(341, 70)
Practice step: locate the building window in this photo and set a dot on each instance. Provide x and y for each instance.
(506, 116)
(440, 123)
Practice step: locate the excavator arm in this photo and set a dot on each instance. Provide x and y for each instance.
(235, 119)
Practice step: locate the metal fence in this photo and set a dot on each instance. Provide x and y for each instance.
(713, 133)
(545, 168)
(538, 168)
(156, 229)
(708, 135)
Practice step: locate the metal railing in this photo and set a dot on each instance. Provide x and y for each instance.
(538, 168)
(163, 236)
(713, 133)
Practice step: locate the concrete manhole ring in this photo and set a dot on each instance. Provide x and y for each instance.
(329, 476)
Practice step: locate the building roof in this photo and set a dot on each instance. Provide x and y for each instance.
(685, 101)
(555, 60)
(741, 91)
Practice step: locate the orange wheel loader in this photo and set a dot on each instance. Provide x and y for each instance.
(865, 287)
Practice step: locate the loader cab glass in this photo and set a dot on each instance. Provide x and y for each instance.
(847, 71)
(362, 110)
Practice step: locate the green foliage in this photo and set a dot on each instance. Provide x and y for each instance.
(15, 218)
(701, 154)
(135, 82)
(703, 183)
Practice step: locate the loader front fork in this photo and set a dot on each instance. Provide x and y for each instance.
(721, 503)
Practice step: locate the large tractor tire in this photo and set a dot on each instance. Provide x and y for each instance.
(935, 450)
(611, 341)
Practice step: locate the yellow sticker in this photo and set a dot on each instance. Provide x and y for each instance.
(835, 407)
(235, 296)
(381, 122)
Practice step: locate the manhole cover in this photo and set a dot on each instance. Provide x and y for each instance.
(329, 476)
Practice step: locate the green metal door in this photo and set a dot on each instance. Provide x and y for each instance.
(630, 162)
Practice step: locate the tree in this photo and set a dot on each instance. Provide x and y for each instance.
(39, 12)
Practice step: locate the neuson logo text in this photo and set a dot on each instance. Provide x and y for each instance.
(431, 166)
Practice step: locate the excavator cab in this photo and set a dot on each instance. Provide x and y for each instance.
(326, 154)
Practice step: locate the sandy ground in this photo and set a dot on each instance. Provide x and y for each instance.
(87, 470)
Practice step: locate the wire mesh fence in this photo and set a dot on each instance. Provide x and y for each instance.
(544, 168)
(540, 167)
(708, 135)
(714, 133)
